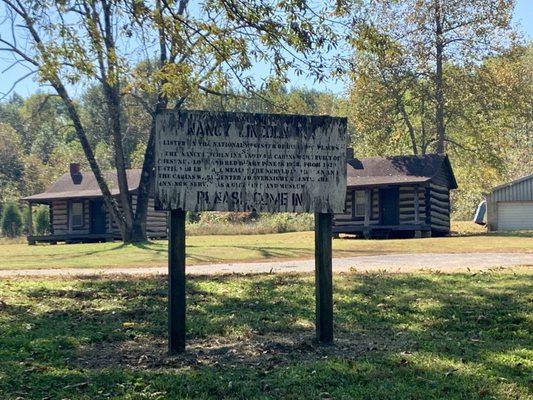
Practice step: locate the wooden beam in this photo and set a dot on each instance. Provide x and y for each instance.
(30, 218)
(51, 216)
(176, 282)
(368, 204)
(427, 203)
(417, 206)
(353, 204)
(323, 278)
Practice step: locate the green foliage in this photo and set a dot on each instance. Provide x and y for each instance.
(11, 221)
(42, 220)
(192, 217)
(11, 164)
(46, 124)
(26, 217)
(137, 156)
(487, 95)
(248, 223)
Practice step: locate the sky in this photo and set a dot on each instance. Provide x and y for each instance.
(523, 18)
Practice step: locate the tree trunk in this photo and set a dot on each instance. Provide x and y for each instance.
(143, 192)
(111, 86)
(439, 95)
(423, 140)
(114, 109)
(109, 201)
(59, 87)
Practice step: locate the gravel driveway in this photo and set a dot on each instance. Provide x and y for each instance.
(445, 262)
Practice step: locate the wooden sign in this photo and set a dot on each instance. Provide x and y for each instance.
(218, 161)
(210, 161)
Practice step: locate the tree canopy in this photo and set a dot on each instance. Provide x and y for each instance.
(423, 76)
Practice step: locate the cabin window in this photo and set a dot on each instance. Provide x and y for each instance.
(359, 201)
(76, 214)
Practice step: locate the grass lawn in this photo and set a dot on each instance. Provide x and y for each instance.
(401, 336)
(229, 248)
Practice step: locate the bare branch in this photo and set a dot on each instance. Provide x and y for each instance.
(4, 95)
(12, 48)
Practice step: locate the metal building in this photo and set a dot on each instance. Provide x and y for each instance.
(510, 206)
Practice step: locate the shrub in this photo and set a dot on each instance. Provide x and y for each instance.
(192, 217)
(286, 222)
(11, 220)
(232, 223)
(42, 221)
(25, 211)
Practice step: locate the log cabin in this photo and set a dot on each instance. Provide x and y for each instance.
(77, 210)
(399, 196)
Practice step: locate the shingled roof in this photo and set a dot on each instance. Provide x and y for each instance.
(397, 170)
(84, 185)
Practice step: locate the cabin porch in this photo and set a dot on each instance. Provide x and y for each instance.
(75, 220)
(73, 238)
(385, 231)
(86, 219)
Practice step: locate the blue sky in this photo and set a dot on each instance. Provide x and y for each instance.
(523, 18)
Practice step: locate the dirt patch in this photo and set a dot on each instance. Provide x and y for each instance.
(264, 351)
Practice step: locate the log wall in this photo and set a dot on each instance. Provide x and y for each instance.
(409, 195)
(433, 203)
(60, 211)
(439, 208)
(348, 217)
(156, 223)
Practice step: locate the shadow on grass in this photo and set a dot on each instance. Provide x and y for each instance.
(397, 336)
(520, 234)
(151, 246)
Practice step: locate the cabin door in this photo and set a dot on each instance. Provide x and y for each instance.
(389, 200)
(98, 219)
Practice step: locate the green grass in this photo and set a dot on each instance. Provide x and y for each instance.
(229, 248)
(402, 336)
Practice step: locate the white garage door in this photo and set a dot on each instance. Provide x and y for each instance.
(517, 215)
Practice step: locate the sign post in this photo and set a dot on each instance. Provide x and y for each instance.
(176, 282)
(216, 161)
(323, 278)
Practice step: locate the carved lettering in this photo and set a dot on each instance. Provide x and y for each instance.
(208, 161)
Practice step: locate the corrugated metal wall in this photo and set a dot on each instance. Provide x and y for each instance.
(519, 191)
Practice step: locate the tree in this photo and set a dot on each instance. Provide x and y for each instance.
(11, 164)
(388, 100)
(201, 47)
(11, 221)
(42, 220)
(425, 37)
(44, 124)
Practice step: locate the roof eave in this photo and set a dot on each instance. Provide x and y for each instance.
(75, 195)
(403, 183)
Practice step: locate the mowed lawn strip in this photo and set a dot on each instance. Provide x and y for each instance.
(401, 336)
(235, 248)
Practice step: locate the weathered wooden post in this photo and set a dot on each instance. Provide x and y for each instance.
(323, 278)
(31, 241)
(30, 218)
(176, 282)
